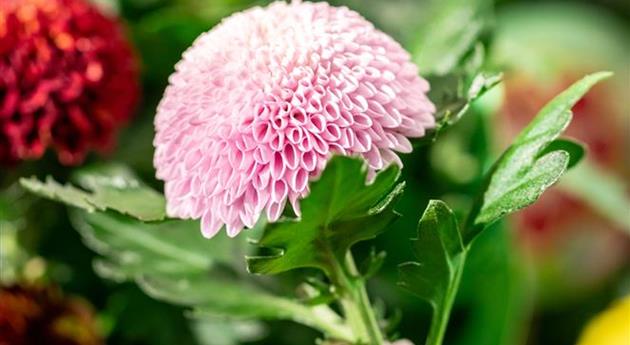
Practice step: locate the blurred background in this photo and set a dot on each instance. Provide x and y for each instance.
(536, 278)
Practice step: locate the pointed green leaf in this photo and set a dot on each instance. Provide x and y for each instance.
(454, 93)
(110, 187)
(575, 150)
(527, 168)
(217, 297)
(130, 247)
(440, 256)
(524, 191)
(340, 211)
(439, 251)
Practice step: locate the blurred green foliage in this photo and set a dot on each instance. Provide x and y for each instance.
(497, 303)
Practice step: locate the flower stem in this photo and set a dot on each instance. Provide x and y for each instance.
(442, 310)
(321, 318)
(355, 302)
(365, 307)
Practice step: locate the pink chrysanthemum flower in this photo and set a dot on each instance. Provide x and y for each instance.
(259, 103)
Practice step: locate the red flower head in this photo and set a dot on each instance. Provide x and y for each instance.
(43, 315)
(68, 78)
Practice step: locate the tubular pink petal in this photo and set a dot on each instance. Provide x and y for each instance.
(295, 204)
(294, 135)
(331, 111)
(262, 131)
(362, 121)
(263, 154)
(309, 160)
(332, 133)
(233, 227)
(374, 159)
(279, 191)
(404, 145)
(319, 144)
(210, 226)
(274, 210)
(290, 156)
(298, 116)
(277, 142)
(278, 165)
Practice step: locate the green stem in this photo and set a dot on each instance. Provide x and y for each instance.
(355, 302)
(321, 318)
(442, 311)
(365, 307)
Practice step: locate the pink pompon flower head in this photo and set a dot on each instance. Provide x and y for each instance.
(258, 105)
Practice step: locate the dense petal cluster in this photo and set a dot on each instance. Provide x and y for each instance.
(68, 78)
(258, 104)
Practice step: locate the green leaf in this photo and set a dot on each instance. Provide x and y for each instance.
(523, 191)
(340, 211)
(130, 247)
(452, 32)
(218, 297)
(315, 291)
(169, 256)
(454, 93)
(170, 261)
(438, 249)
(450, 52)
(52, 190)
(110, 187)
(575, 150)
(441, 256)
(526, 169)
(215, 331)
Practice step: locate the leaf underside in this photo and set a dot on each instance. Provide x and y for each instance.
(111, 187)
(168, 259)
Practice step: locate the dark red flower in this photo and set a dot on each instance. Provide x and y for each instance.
(42, 315)
(68, 79)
